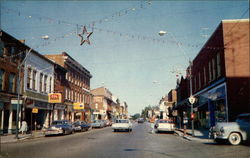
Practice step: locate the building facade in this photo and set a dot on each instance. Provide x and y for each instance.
(77, 87)
(12, 52)
(38, 83)
(220, 76)
(102, 103)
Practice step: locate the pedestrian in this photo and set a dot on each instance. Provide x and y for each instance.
(185, 122)
(24, 127)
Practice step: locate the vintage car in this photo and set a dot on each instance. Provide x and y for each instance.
(59, 127)
(234, 132)
(81, 126)
(98, 124)
(122, 124)
(163, 125)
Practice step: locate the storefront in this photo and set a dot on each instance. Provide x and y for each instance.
(59, 112)
(40, 119)
(212, 106)
(8, 116)
(79, 111)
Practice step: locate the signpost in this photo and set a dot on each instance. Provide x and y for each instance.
(192, 100)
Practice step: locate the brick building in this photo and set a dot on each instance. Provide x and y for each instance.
(12, 52)
(59, 87)
(221, 75)
(77, 87)
(102, 103)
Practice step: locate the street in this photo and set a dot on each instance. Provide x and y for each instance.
(104, 143)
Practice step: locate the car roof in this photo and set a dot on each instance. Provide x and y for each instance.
(244, 114)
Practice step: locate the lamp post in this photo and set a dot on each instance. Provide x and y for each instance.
(161, 33)
(18, 91)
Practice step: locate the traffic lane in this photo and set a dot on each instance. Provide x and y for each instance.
(176, 146)
(52, 146)
(138, 143)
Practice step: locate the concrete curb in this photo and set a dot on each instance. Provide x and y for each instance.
(190, 138)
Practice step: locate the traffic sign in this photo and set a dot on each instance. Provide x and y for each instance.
(192, 99)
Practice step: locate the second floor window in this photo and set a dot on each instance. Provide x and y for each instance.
(29, 78)
(213, 66)
(218, 65)
(209, 71)
(41, 82)
(205, 76)
(45, 83)
(34, 80)
(1, 79)
(11, 85)
(1, 48)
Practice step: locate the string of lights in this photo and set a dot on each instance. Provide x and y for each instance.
(126, 35)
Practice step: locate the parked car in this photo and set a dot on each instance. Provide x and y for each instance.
(163, 125)
(97, 124)
(122, 124)
(59, 127)
(234, 132)
(81, 126)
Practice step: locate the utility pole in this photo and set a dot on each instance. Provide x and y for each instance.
(191, 98)
(18, 92)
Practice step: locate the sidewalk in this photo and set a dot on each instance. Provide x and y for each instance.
(10, 138)
(201, 135)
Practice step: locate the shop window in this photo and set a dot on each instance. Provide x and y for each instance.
(2, 79)
(29, 78)
(34, 80)
(11, 87)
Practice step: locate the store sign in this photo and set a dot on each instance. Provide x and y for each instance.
(55, 98)
(78, 106)
(35, 110)
(15, 101)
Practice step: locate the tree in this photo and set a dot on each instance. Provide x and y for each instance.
(144, 112)
(136, 116)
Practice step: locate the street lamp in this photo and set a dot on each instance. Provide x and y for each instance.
(161, 33)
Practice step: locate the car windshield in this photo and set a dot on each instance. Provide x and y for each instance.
(57, 123)
(122, 121)
(243, 119)
(165, 121)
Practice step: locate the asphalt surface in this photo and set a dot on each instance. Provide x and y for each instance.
(104, 143)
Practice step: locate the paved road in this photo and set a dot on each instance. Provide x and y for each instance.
(103, 143)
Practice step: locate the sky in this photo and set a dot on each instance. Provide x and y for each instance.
(126, 53)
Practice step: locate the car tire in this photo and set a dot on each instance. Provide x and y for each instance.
(234, 138)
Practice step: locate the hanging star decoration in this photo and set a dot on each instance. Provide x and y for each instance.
(88, 34)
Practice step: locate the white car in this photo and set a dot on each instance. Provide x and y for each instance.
(164, 126)
(122, 124)
(234, 132)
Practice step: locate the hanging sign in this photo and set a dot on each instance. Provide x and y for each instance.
(55, 98)
(35, 110)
